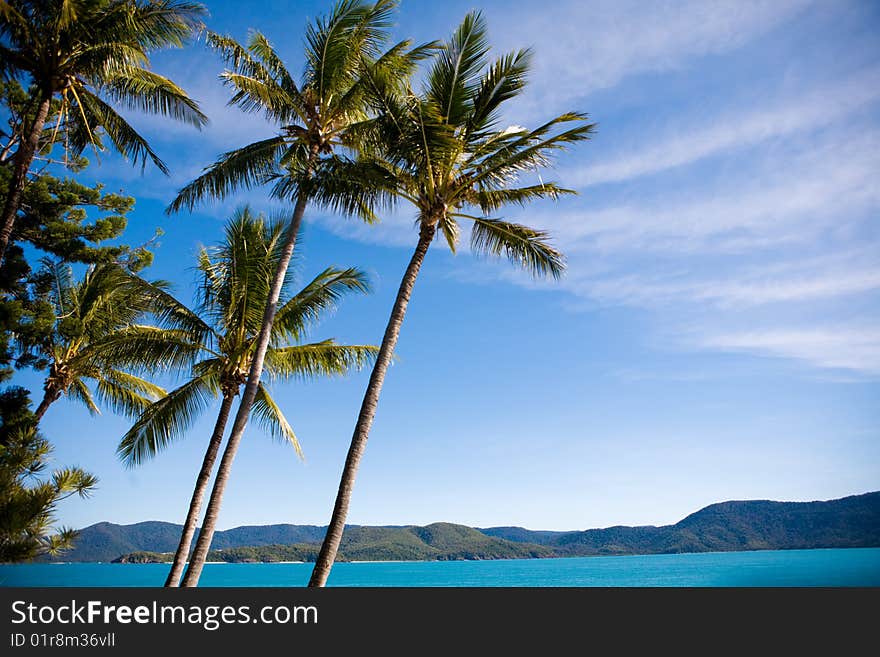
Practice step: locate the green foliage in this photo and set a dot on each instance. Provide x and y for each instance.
(59, 217)
(441, 150)
(81, 342)
(250, 554)
(28, 493)
(145, 557)
(440, 541)
(69, 220)
(86, 54)
(218, 339)
(323, 113)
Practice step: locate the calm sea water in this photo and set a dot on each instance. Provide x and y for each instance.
(848, 567)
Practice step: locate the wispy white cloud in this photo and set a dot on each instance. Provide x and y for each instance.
(797, 280)
(789, 197)
(790, 241)
(844, 347)
(809, 112)
(600, 43)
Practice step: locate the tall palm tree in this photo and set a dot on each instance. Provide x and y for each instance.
(315, 118)
(90, 314)
(221, 336)
(443, 152)
(88, 54)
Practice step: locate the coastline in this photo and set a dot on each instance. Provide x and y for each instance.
(502, 559)
(825, 567)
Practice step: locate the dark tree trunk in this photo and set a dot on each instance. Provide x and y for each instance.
(195, 505)
(330, 546)
(49, 398)
(23, 158)
(197, 561)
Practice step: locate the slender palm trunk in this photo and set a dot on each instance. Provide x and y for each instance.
(330, 546)
(49, 398)
(195, 505)
(197, 561)
(23, 158)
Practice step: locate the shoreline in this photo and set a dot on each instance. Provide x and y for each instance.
(411, 561)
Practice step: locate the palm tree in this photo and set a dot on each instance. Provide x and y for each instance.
(221, 336)
(315, 118)
(89, 316)
(442, 152)
(87, 54)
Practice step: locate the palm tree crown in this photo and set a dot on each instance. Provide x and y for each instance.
(316, 116)
(91, 53)
(90, 316)
(443, 152)
(220, 337)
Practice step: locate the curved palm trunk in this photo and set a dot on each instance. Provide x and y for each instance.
(49, 398)
(197, 561)
(332, 539)
(23, 158)
(195, 505)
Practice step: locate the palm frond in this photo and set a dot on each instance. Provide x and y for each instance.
(237, 56)
(390, 73)
(259, 45)
(241, 168)
(59, 275)
(261, 79)
(322, 294)
(167, 419)
(358, 188)
(166, 23)
(504, 79)
(335, 43)
(126, 394)
(260, 63)
(453, 77)
(255, 95)
(108, 298)
(239, 273)
(12, 18)
(490, 200)
(147, 349)
(530, 150)
(326, 358)
(172, 313)
(451, 231)
(79, 391)
(525, 246)
(427, 144)
(95, 112)
(272, 420)
(150, 92)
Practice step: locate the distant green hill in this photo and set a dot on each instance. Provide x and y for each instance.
(106, 541)
(729, 526)
(756, 525)
(438, 542)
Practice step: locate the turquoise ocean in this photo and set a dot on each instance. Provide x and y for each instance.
(833, 567)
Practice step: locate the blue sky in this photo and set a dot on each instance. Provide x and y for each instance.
(717, 335)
